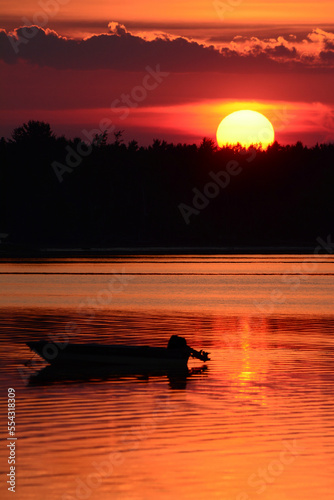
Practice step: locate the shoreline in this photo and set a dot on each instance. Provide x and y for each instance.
(158, 251)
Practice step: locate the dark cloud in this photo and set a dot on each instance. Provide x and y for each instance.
(282, 51)
(327, 56)
(7, 53)
(329, 44)
(116, 50)
(121, 50)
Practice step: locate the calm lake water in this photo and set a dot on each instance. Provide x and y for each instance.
(258, 423)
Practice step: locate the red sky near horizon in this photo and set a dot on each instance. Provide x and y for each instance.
(169, 70)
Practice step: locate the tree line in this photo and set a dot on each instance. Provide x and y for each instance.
(103, 193)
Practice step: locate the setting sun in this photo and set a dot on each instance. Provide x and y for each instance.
(245, 127)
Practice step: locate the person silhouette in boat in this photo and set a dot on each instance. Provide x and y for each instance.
(176, 342)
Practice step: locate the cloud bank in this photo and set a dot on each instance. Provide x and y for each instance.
(119, 49)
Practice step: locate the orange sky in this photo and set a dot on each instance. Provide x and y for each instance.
(234, 11)
(261, 55)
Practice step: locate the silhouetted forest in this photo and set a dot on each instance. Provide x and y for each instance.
(103, 193)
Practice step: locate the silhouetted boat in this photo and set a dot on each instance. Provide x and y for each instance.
(174, 356)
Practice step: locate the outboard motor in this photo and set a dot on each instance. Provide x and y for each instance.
(176, 342)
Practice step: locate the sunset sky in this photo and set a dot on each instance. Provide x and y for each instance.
(170, 69)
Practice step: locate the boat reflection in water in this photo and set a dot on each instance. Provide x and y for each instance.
(51, 374)
(89, 362)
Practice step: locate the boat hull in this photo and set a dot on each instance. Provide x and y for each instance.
(112, 355)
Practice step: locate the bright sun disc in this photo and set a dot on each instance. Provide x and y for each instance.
(245, 127)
